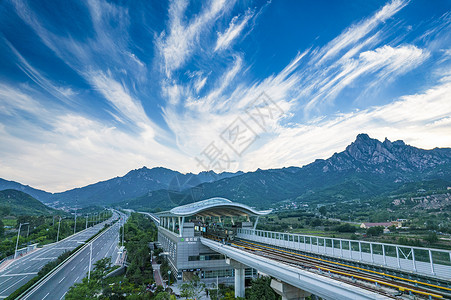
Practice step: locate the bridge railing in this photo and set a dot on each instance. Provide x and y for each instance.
(426, 261)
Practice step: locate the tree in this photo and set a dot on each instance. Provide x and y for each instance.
(375, 231)
(345, 228)
(432, 238)
(261, 289)
(192, 289)
(2, 228)
(164, 296)
(315, 222)
(323, 210)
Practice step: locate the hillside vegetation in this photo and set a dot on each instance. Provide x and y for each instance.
(13, 202)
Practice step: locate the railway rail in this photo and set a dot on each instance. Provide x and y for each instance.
(375, 281)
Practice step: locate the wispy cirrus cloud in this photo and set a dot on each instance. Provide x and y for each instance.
(312, 80)
(60, 92)
(177, 44)
(421, 120)
(355, 33)
(71, 144)
(384, 63)
(235, 28)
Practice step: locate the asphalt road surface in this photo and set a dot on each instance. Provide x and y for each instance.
(56, 286)
(25, 268)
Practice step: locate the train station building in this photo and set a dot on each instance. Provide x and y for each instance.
(180, 230)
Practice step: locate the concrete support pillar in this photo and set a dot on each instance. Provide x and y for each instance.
(288, 292)
(181, 224)
(256, 222)
(173, 224)
(239, 276)
(239, 282)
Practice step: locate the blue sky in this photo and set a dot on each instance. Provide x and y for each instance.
(92, 89)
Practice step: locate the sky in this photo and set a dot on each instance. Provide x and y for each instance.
(90, 90)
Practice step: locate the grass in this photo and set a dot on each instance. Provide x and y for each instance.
(9, 222)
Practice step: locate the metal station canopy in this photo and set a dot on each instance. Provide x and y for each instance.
(213, 207)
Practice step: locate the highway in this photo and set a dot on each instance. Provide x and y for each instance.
(25, 268)
(57, 285)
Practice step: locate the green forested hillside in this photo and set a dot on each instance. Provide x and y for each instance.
(13, 202)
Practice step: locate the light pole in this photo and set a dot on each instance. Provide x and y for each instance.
(123, 227)
(86, 221)
(18, 234)
(90, 258)
(75, 222)
(58, 234)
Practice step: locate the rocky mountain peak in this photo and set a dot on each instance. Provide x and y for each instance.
(368, 154)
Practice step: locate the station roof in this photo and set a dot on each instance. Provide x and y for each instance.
(213, 207)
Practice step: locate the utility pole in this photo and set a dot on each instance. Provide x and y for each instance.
(58, 234)
(123, 232)
(90, 258)
(86, 221)
(75, 222)
(28, 232)
(18, 235)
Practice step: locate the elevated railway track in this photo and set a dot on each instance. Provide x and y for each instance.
(390, 285)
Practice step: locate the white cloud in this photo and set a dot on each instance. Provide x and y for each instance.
(421, 120)
(200, 83)
(355, 33)
(233, 31)
(118, 95)
(178, 44)
(60, 92)
(385, 63)
(53, 147)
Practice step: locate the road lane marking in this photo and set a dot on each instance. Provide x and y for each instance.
(63, 295)
(14, 283)
(45, 296)
(76, 278)
(19, 274)
(62, 279)
(7, 280)
(73, 268)
(85, 267)
(82, 259)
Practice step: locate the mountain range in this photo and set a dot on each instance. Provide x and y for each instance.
(134, 184)
(366, 168)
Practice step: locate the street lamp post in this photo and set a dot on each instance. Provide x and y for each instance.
(90, 258)
(75, 222)
(123, 227)
(18, 235)
(86, 221)
(58, 234)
